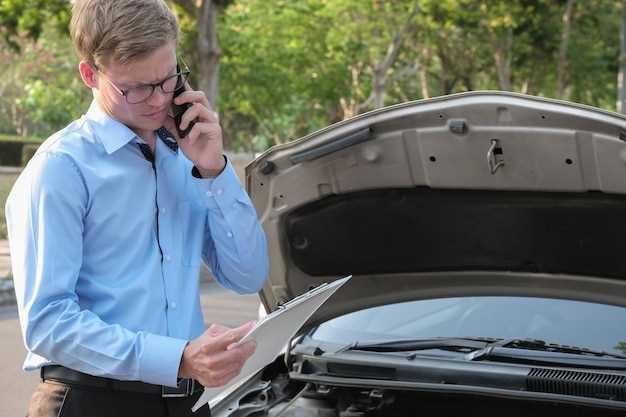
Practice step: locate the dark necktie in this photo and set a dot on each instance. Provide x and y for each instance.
(169, 140)
(166, 137)
(146, 151)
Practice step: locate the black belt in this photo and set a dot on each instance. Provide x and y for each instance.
(185, 388)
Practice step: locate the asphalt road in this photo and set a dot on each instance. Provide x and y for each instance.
(16, 386)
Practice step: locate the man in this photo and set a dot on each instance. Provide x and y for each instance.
(109, 222)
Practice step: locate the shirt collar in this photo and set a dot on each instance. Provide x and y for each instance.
(112, 133)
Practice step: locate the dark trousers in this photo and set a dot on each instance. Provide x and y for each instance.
(55, 399)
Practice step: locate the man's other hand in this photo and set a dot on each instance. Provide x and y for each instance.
(216, 357)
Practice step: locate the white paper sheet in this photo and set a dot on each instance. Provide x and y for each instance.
(274, 331)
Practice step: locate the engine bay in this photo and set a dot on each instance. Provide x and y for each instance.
(274, 393)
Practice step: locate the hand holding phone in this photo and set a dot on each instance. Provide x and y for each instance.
(178, 110)
(204, 145)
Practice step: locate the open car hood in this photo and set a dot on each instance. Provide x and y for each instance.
(480, 193)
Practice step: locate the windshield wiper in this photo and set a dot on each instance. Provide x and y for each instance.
(516, 350)
(538, 345)
(540, 352)
(457, 344)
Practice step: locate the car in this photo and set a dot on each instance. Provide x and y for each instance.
(485, 236)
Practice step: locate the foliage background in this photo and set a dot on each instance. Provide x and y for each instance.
(6, 182)
(290, 67)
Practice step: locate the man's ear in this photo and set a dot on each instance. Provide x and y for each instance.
(88, 74)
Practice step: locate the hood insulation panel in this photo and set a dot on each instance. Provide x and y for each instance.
(422, 230)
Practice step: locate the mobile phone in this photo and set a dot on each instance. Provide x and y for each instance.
(179, 110)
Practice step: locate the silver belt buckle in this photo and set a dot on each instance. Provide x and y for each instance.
(183, 389)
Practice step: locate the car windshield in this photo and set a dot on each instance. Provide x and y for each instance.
(594, 326)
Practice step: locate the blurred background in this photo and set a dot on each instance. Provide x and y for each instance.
(277, 70)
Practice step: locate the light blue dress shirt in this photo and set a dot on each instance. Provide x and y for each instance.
(99, 288)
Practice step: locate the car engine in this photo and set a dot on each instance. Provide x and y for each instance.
(276, 395)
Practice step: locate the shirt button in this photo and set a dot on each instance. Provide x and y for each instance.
(163, 210)
(219, 191)
(209, 193)
(168, 258)
(173, 306)
(229, 234)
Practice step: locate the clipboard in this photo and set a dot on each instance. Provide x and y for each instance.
(274, 331)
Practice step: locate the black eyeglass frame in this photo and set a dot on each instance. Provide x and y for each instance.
(182, 74)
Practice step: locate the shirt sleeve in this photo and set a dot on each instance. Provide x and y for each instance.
(234, 247)
(45, 213)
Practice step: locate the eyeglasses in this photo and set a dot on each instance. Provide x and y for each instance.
(141, 93)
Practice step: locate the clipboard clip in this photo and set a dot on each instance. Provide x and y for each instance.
(302, 296)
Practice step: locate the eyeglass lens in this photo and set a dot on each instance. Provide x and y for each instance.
(138, 94)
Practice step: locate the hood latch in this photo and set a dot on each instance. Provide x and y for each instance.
(494, 156)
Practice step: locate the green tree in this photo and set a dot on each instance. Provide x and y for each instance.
(41, 90)
(199, 20)
(291, 67)
(275, 84)
(21, 20)
(285, 68)
(27, 18)
(594, 53)
(372, 38)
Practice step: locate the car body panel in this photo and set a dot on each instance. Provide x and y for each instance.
(551, 150)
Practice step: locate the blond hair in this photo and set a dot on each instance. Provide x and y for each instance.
(120, 31)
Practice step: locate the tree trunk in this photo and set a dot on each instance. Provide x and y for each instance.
(379, 81)
(209, 52)
(525, 86)
(446, 76)
(565, 36)
(467, 81)
(382, 65)
(502, 57)
(350, 106)
(423, 74)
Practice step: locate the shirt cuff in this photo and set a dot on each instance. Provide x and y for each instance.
(161, 359)
(195, 172)
(221, 190)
